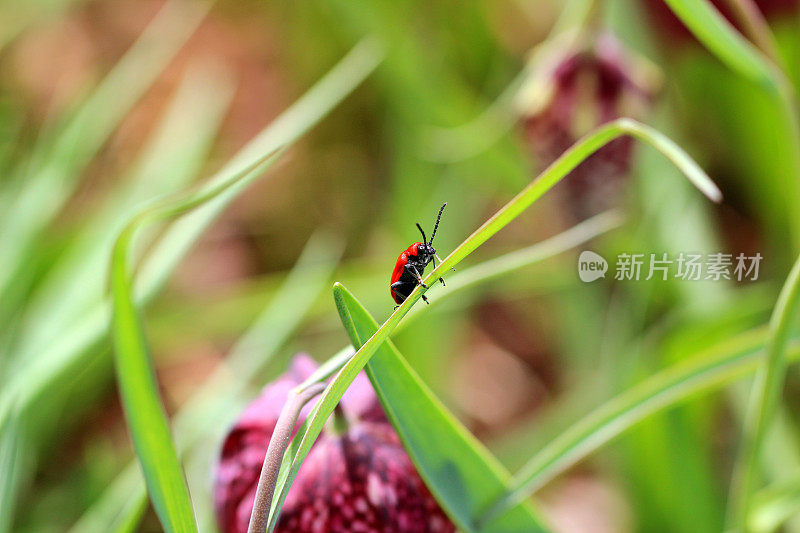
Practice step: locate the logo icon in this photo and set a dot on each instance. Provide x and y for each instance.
(591, 266)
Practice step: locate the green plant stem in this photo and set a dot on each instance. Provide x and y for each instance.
(278, 443)
(764, 398)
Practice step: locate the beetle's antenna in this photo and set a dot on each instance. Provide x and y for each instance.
(436, 226)
(424, 240)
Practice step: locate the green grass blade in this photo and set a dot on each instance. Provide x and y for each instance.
(303, 441)
(78, 345)
(334, 87)
(773, 506)
(119, 508)
(12, 458)
(766, 391)
(722, 39)
(138, 388)
(213, 408)
(511, 262)
(458, 470)
(487, 271)
(730, 360)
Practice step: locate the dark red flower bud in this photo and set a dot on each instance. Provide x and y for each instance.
(359, 479)
(573, 91)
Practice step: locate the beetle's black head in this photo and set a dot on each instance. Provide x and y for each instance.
(425, 252)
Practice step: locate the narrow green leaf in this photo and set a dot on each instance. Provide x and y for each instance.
(305, 438)
(774, 505)
(463, 476)
(135, 374)
(729, 360)
(215, 405)
(722, 39)
(764, 396)
(12, 459)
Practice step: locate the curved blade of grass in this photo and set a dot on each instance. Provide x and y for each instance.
(216, 404)
(315, 104)
(764, 396)
(463, 475)
(138, 388)
(729, 360)
(305, 438)
(487, 271)
(79, 343)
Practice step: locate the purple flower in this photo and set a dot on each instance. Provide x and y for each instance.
(584, 87)
(358, 480)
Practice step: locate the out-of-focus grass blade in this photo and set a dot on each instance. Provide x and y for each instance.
(722, 39)
(48, 179)
(459, 471)
(78, 344)
(174, 155)
(301, 444)
(138, 388)
(218, 402)
(731, 359)
(119, 508)
(17, 16)
(773, 506)
(765, 394)
(12, 442)
(284, 130)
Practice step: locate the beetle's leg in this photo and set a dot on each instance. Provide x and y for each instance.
(440, 260)
(416, 273)
(424, 299)
(434, 266)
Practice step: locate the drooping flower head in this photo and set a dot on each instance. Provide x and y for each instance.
(356, 479)
(572, 90)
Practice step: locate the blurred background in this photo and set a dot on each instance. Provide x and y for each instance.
(107, 104)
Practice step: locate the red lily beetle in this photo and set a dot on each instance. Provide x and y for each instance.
(411, 264)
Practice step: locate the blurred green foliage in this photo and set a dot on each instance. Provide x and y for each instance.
(201, 79)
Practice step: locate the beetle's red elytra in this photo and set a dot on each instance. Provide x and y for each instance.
(410, 266)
